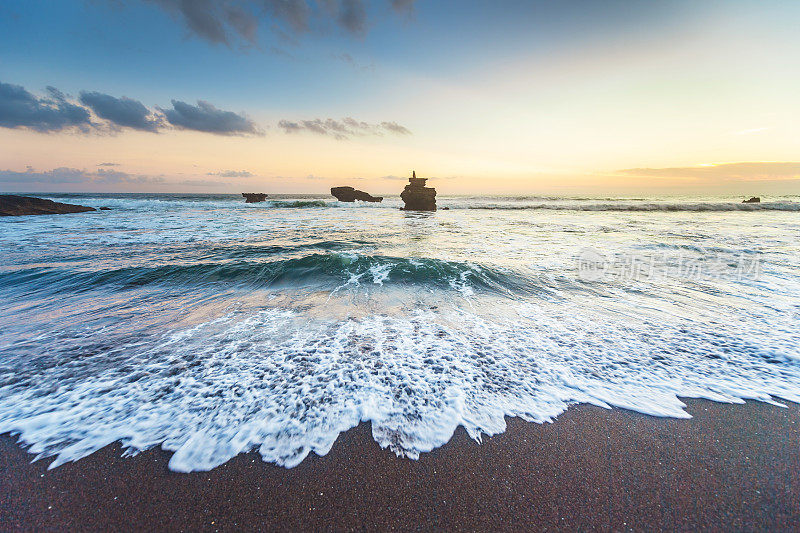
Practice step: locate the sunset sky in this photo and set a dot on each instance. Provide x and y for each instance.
(555, 96)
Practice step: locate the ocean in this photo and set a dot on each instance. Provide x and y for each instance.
(211, 327)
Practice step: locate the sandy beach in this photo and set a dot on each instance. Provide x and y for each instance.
(730, 467)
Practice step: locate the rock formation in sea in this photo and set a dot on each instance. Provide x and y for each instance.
(349, 194)
(752, 200)
(12, 205)
(254, 197)
(417, 197)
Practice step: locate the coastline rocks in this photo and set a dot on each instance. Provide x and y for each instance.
(418, 197)
(12, 205)
(349, 194)
(254, 197)
(752, 200)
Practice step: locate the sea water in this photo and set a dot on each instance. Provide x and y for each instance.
(211, 327)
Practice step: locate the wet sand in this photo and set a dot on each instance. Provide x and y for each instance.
(731, 467)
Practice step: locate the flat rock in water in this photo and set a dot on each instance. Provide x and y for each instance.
(254, 197)
(12, 205)
(349, 194)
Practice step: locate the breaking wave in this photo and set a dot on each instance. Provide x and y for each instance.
(660, 207)
(325, 271)
(286, 385)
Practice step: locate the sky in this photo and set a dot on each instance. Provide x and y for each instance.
(537, 97)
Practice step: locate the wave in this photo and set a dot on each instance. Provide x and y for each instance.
(662, 207)
(581, 204)
(285, 384)
(299, 204)
(325, 271)
(533, 198)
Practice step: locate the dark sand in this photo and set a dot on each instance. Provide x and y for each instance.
(731, 467)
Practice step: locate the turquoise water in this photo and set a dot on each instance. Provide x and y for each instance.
(211, 327)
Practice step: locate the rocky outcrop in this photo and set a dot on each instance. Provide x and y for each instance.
(254, 197)
(752, 200)
(349, 194)
(417, 197)
(11, 205)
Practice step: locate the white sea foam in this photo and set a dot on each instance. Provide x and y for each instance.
(286, 385)
(380, 273)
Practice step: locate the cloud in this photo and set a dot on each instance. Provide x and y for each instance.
(108, 165)
(744, 171)
(205, 117)
(122, 112)
(342, 129)
(403, 5)
(394, 127)
(353, 16)
(202, 17)
(295, 12)
(226, 22)
(232, 174)
(243, 23)
(57, 175)
(73, 175)
(21, 109)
